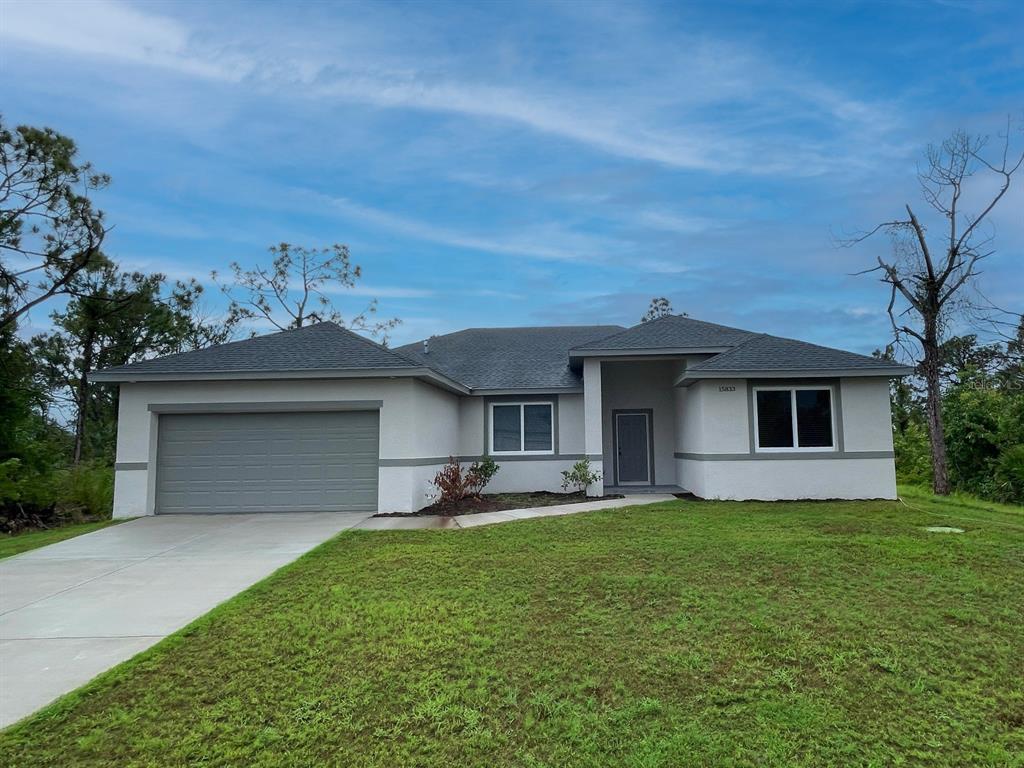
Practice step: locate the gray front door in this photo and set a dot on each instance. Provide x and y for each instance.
(267, 462)
(633, 448)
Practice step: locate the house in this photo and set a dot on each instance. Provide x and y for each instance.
(320, 418)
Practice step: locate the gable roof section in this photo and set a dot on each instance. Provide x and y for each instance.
(766, 355)
(668, 333)
(321, 347)
(509, 358)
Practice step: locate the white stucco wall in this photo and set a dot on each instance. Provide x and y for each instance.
(867, 417)
(417, 420)
(791, 479)
(593, 442)
(571, 424)
(713, 418)
(420, 425)
(471, 426)
(526, 475)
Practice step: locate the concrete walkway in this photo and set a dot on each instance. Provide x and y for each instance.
(410, 522)
(76, 608)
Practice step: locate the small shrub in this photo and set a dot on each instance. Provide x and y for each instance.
(453, 485)
(450, 483)
(579, 477)
(479, 475)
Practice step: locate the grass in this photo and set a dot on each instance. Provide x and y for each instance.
(23, 542)
(734, 634)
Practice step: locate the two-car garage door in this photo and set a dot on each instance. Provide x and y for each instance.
(267, 462)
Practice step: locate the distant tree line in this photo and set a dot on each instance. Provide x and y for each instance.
(981, 399)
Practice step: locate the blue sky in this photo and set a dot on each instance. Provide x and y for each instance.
(531, 163)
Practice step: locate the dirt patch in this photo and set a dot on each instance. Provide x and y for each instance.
(495, 502)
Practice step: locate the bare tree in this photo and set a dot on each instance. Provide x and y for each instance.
(295, 290)
(927, 274)
(49, 232)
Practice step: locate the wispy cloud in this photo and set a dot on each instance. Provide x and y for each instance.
(545, 241)
(656, 124)
(384, 292)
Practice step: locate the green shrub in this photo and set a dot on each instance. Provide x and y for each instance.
(1009, 475)
(30, 498)
(579, 477)
(86, 491)
(479, 475)
(26, 499)
(913, 455)
(453, 484)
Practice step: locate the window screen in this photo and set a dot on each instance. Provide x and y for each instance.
(537, 427)
(506, 428)
(774, 418)
(814, 418)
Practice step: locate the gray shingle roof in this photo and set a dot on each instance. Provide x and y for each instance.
(761, 352)
(324, 346)
(508, 358)
(670, 332)
(504, 358)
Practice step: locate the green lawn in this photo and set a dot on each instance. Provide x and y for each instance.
(681, 634)
(23, 542)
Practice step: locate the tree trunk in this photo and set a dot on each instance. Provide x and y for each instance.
(936, 434)
(82, 396)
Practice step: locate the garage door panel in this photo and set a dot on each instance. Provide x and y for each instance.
(272, 462)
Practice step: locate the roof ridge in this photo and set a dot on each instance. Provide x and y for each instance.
(371, 342)
(765, 351)
(418, 342)
(648, 323)
(222, 345)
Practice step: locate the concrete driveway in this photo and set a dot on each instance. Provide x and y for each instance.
(76, 608)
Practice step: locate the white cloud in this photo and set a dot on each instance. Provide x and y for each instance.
(653, 119)
(546, 241)
(115, 30)
(384, 292)
(672, 222)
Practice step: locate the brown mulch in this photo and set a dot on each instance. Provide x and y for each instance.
(495, 502)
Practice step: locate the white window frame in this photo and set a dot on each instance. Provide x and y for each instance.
(796, 448)
(522, 428)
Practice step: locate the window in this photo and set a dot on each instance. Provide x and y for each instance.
(522, 428)
(793, 418)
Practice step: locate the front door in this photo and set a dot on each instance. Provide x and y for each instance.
(633, 448)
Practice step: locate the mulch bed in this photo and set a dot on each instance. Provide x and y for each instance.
(495, 502)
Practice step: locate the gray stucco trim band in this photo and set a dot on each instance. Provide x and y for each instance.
(425, 462)
(786, 456)
(268, 407)
(122, 466)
